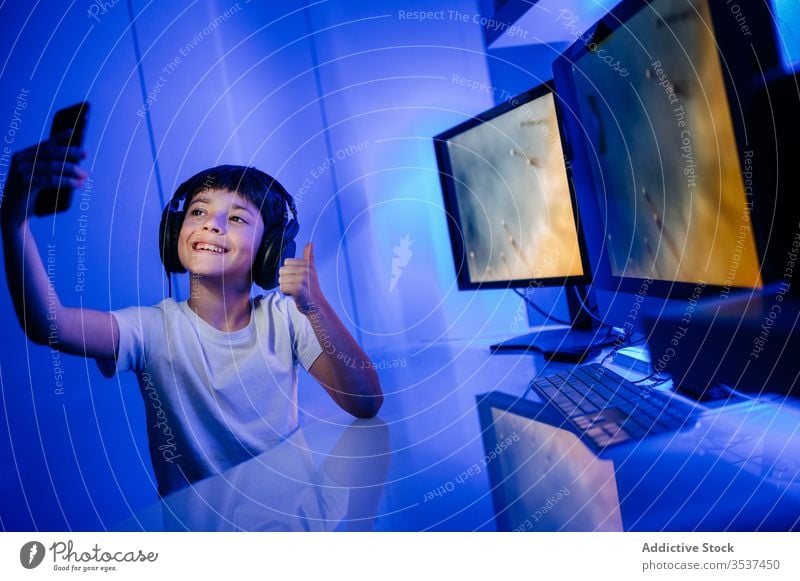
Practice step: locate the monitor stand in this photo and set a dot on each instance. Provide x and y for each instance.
(568, 345)
(571, 344)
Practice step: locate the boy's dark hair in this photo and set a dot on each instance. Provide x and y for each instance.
(261, 189)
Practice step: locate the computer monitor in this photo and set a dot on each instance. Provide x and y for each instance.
(668, 179)
(511, 210)
(510, 207)
(654, 99)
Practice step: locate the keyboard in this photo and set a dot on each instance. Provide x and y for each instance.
(607, 409)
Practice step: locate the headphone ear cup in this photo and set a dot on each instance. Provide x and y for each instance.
(169, 232)
(289, 251)
(265, 269)
(274, 250)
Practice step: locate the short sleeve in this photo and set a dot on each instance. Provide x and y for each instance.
(133, 324)
(304, 342)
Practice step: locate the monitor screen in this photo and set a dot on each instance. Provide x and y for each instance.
(672, 189)
(507, 192)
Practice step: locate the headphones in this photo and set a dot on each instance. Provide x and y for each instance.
(277, 244)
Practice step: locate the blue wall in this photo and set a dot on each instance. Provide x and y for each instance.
(339, 101)
(787, 18)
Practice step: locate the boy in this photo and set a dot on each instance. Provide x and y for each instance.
(218, 372)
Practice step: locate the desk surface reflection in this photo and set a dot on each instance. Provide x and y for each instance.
(292, 487)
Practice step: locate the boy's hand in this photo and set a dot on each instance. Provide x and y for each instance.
(298, 279)
(46, 165)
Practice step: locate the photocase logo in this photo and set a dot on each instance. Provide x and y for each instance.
(402, 254)
(31, 554)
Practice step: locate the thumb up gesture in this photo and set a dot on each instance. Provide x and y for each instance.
(297, 278)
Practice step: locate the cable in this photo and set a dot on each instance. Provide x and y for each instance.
(626, 342)
(659, 380)
(556, 319)
(540, 310)
(594, 345)
(606, 337)
(738, 393)
(588, 311)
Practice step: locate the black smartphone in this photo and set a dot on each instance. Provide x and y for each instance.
(75, 118)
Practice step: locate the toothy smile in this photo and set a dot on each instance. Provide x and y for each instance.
(208, 247)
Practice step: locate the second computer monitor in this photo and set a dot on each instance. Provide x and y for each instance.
(672, 190)
(507, 192)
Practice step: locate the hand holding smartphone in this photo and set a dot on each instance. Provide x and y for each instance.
(68, 129)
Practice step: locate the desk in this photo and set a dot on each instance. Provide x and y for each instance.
(737, 469)
(427, 464)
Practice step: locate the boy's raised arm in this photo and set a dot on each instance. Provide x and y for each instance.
(343, 369)
(43, 318)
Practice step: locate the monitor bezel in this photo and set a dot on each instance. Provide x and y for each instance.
(453, 214)
(604, 278)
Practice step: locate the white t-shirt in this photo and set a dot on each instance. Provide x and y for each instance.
(213, 399)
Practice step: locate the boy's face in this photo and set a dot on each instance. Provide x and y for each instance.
(221, 234)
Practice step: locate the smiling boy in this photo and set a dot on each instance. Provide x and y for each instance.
(218, 372)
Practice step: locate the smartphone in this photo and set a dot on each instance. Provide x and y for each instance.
(75, 118)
